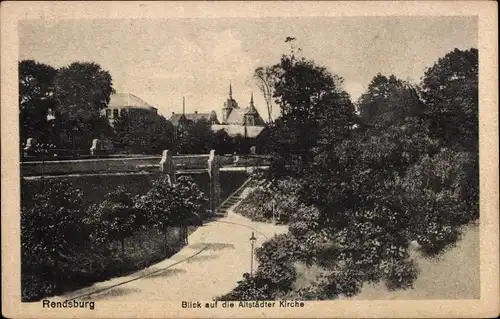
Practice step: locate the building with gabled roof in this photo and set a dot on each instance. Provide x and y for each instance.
(232, 114)
(236, 120)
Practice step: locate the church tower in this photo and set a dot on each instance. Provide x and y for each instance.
(250, 114)
(229, 105)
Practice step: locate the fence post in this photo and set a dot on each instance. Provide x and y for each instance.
(29, 149)
(167, 165)
(214, 173)
(96, 148)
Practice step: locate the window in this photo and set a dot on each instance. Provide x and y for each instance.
(115, 113)
(108, 113)
(249, 120)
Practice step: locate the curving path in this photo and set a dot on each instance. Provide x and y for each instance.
(217, 255)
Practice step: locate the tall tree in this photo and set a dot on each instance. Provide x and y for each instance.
(197, 139)
(82, 89)
(36, 89)
(450, 89)
(143, 133)
(265, 82)
(115, 218)
(389, 100)
(313, 105)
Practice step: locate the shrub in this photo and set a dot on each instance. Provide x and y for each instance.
(442, 193)
(249, 288)
(177, 204)
(51, 231)
(115, 218)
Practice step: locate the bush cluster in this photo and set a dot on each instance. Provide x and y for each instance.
(279, 195)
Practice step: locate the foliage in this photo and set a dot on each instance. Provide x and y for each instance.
(115, 218)
(313, 105)
(82, 89)
(450, 90)
(275, 275)
(65, 247)
(247, 289)
(189, 202)
(51, 230)
(197, 138)
(222, 143)
(281, 195)
(72, 96)
(173, 204)
(442, 193)
(69, 133)
(143, 133)
(36, 89)
(366, 194)
(389, 100)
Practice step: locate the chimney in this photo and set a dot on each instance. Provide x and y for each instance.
(173, 112)
(195, 112)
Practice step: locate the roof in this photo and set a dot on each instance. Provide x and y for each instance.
(237, 116)
(235, 129)
(212, 116)
(127, 100)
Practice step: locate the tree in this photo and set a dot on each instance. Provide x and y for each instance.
(116, 218)
(222, 142)
(143, 133)
(82, 89)
(312, 105)
(169, 205)
(156, 204)
(36, 89)
(52, 228)
(197, 139)
(265, 81)
(450, 90)
(389, 100)
(188, 205)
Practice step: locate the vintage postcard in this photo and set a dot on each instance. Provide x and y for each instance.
(249, 159)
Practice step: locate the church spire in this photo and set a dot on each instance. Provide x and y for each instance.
(183, 106)
(251, 109)
(230, 91)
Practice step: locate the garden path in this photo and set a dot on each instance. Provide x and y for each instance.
(217, 256)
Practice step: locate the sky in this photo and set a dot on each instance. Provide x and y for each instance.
(162, 60)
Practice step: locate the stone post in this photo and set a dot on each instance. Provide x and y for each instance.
(96, 148)
(29, 149)
(214, 173)
(167, 165)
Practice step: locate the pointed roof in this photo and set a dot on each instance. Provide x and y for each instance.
(251, 108)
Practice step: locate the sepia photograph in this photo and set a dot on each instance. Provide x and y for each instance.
(259, 162)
